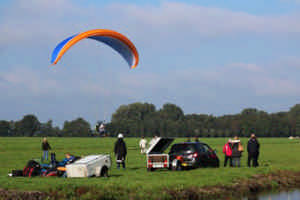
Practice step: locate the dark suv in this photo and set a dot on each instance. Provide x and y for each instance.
(192, 155)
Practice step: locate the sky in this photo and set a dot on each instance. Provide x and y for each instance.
(213, 57)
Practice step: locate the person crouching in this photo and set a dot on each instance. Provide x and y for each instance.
(120, 151)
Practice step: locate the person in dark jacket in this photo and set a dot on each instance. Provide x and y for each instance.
(253, 151)
(237, 150)
(45, 147)
(120, 151)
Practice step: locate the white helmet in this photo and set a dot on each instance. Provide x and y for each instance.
(120, 135)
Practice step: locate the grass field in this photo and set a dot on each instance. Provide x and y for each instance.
(135, 182)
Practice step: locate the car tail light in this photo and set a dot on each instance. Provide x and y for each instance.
(195, 155)
(179, 158)
(213, 156)
(150, 165)
(166, 163)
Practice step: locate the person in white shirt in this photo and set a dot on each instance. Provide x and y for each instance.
(102, 128)
(143, 145)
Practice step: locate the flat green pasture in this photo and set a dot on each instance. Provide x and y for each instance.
(275, 154)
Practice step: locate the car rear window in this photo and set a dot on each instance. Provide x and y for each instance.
(182, 148)
(204, 148)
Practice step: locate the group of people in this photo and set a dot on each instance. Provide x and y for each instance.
(143, 143)
(233, 150)
(120, 151)
(46, 147)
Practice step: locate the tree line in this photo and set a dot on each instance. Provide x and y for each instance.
(30, 126)
(144, 119)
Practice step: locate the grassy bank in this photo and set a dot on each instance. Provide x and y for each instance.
(135, 182)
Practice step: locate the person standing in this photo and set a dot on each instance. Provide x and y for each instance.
(45, 147)
(153, 140)
(120, 151)
(143, 145)
(237, 150)
(228, 153)
(253, 151)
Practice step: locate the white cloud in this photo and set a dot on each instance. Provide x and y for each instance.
(190, 88)
(43, 20)
(269, 86)
(257, 79)
(177, 18)
(247, 67)
(164, 28)
(36, 21)
(22, 81)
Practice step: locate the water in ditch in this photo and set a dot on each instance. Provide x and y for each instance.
(290, 195)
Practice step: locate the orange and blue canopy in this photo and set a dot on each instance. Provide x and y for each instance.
(115, 40)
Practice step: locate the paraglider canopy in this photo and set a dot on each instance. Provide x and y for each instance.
(115, 40)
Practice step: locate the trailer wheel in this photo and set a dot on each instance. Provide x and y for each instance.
(104, 172)
(150, 169)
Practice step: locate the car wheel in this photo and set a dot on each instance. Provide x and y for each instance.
(104, 172)
(179, 167)
(216, 164)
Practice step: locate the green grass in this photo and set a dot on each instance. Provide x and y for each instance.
(135, 181)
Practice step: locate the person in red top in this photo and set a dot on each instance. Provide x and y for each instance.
(227, 150)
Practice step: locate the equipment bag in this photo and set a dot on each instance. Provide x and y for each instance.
(17, 172)
(32, 168)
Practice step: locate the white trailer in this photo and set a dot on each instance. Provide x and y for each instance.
(156, 159)
(92, 165)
